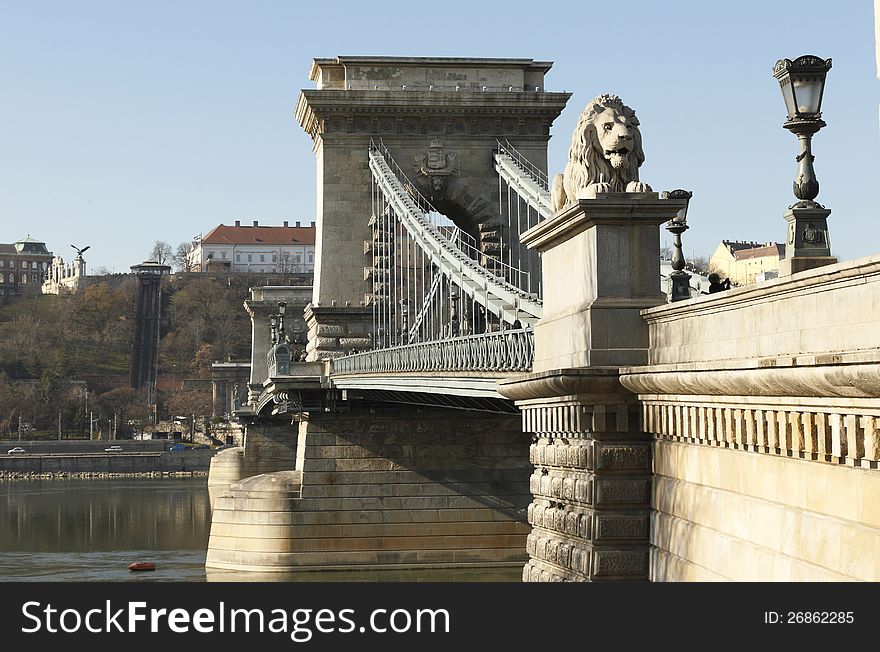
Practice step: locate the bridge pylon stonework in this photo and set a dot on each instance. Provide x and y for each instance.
(441, 119)
(592, 479)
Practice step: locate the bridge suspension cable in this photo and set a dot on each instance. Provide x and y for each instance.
(432, 280)
(524, 199)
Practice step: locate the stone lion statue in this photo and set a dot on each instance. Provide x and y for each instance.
(605, 154)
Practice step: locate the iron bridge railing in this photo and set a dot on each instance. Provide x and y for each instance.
(524, 164)
(509, 350)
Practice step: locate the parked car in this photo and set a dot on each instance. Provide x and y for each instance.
(177, 447)
(113, 449)
(17, 449)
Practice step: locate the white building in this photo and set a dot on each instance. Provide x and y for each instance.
(65, 278)
(286, 249)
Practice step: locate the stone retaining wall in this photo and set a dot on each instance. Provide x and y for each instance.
(87, 463)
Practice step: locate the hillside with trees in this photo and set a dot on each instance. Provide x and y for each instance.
(65, 357)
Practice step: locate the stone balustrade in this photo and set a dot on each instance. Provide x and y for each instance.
(762, 403)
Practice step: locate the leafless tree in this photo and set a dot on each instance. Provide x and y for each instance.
(161, 252)
(181, 260)
(287, 264)
(700, 264)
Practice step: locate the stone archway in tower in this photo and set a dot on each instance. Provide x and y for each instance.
(438, 178)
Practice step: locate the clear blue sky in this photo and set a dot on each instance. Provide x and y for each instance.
(122, 122)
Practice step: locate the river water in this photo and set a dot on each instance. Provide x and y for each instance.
(92, 529)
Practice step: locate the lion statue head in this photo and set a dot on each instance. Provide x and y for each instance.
(605, 154)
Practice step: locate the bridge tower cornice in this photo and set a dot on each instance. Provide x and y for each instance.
(370, 114)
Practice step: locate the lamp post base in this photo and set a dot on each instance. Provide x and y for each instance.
(808, 245)
(679, 286)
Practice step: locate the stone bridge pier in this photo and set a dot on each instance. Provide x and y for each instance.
(379, 486)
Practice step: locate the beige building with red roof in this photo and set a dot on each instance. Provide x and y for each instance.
(255, 248)
(745, 263)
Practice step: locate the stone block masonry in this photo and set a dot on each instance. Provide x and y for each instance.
(84, 463)
(383, 487)
(268, 447)
(337, 330)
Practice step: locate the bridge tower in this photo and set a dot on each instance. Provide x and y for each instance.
(441, 119)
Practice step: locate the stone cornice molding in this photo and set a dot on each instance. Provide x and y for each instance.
(440, 101)
(314, 107)
(564, 383)
(340, 312)
(619, 208)
(835, 434)
(859, 380)
(420, 62)
(254, 307)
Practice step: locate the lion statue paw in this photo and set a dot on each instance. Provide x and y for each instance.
(637, 186)
(594, 189)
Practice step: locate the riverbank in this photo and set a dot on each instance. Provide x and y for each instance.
(98, 459)
(97, 475)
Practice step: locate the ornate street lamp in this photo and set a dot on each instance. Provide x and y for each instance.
(273, 329)
(679, 286)
(282, 309)
(802, 82)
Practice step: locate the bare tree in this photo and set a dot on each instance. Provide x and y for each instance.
(287, 264)
(700, 264)
(161, 252)
(180, 259)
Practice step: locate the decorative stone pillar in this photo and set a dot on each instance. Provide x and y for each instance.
(592, 478)
(259, 310)
(591, 484)
(337, 330)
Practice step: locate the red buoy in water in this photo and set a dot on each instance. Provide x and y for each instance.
(142, 566)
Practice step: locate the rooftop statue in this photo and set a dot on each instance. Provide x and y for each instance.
(605, 154)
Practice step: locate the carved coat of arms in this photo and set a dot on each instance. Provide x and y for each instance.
(437, 165)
